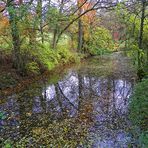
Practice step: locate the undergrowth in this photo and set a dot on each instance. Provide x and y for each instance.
(138, 112)
(42, 57)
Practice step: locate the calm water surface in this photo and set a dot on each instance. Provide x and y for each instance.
(86, 106)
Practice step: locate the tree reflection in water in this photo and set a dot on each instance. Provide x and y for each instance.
(99, 100)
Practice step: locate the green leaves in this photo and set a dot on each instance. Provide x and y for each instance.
(32, 67)
(143, 139)
(139, 105)
(100, 42)
(138, 111)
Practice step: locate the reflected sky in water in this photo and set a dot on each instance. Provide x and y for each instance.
(83, 93)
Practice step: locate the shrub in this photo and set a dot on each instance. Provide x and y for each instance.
(7, 80)
(41, 56)
(138, 111)
(143, 139)
(32, 67)
(65, 55)
(100, 42)
(139, 104)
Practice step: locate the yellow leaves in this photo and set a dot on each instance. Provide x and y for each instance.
(88, 19)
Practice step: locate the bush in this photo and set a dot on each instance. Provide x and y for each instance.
(65, 55)
(7, 80)
(139, 104)
(46, 56)
(32, 67)
(143, 139)
(138, 111)
(41, 56)
(101, 42)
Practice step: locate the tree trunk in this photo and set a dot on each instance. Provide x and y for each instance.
(80, 31)
(39, 14)
(55, 37)
(42, 33)
(80, 35)
(141, 33)
(17, 60)
(56, 29)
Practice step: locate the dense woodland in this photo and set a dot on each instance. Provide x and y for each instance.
(37, 36)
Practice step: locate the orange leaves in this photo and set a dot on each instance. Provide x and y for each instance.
(4, 23)
(80, 2)
(84, 6)
(89, 16)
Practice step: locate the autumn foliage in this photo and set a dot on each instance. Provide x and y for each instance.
(4, 23)
(88, 19)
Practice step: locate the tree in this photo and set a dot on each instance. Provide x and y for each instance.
(133, 16)
(13, 20)
(143, 7)
(95, 6)
(40, 18)
(56, 29)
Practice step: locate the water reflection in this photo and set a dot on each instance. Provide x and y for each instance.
(102, 100)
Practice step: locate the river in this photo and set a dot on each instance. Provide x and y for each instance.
(84, 106)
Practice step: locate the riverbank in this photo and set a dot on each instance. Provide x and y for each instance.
(34, 63)
(11, 82)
